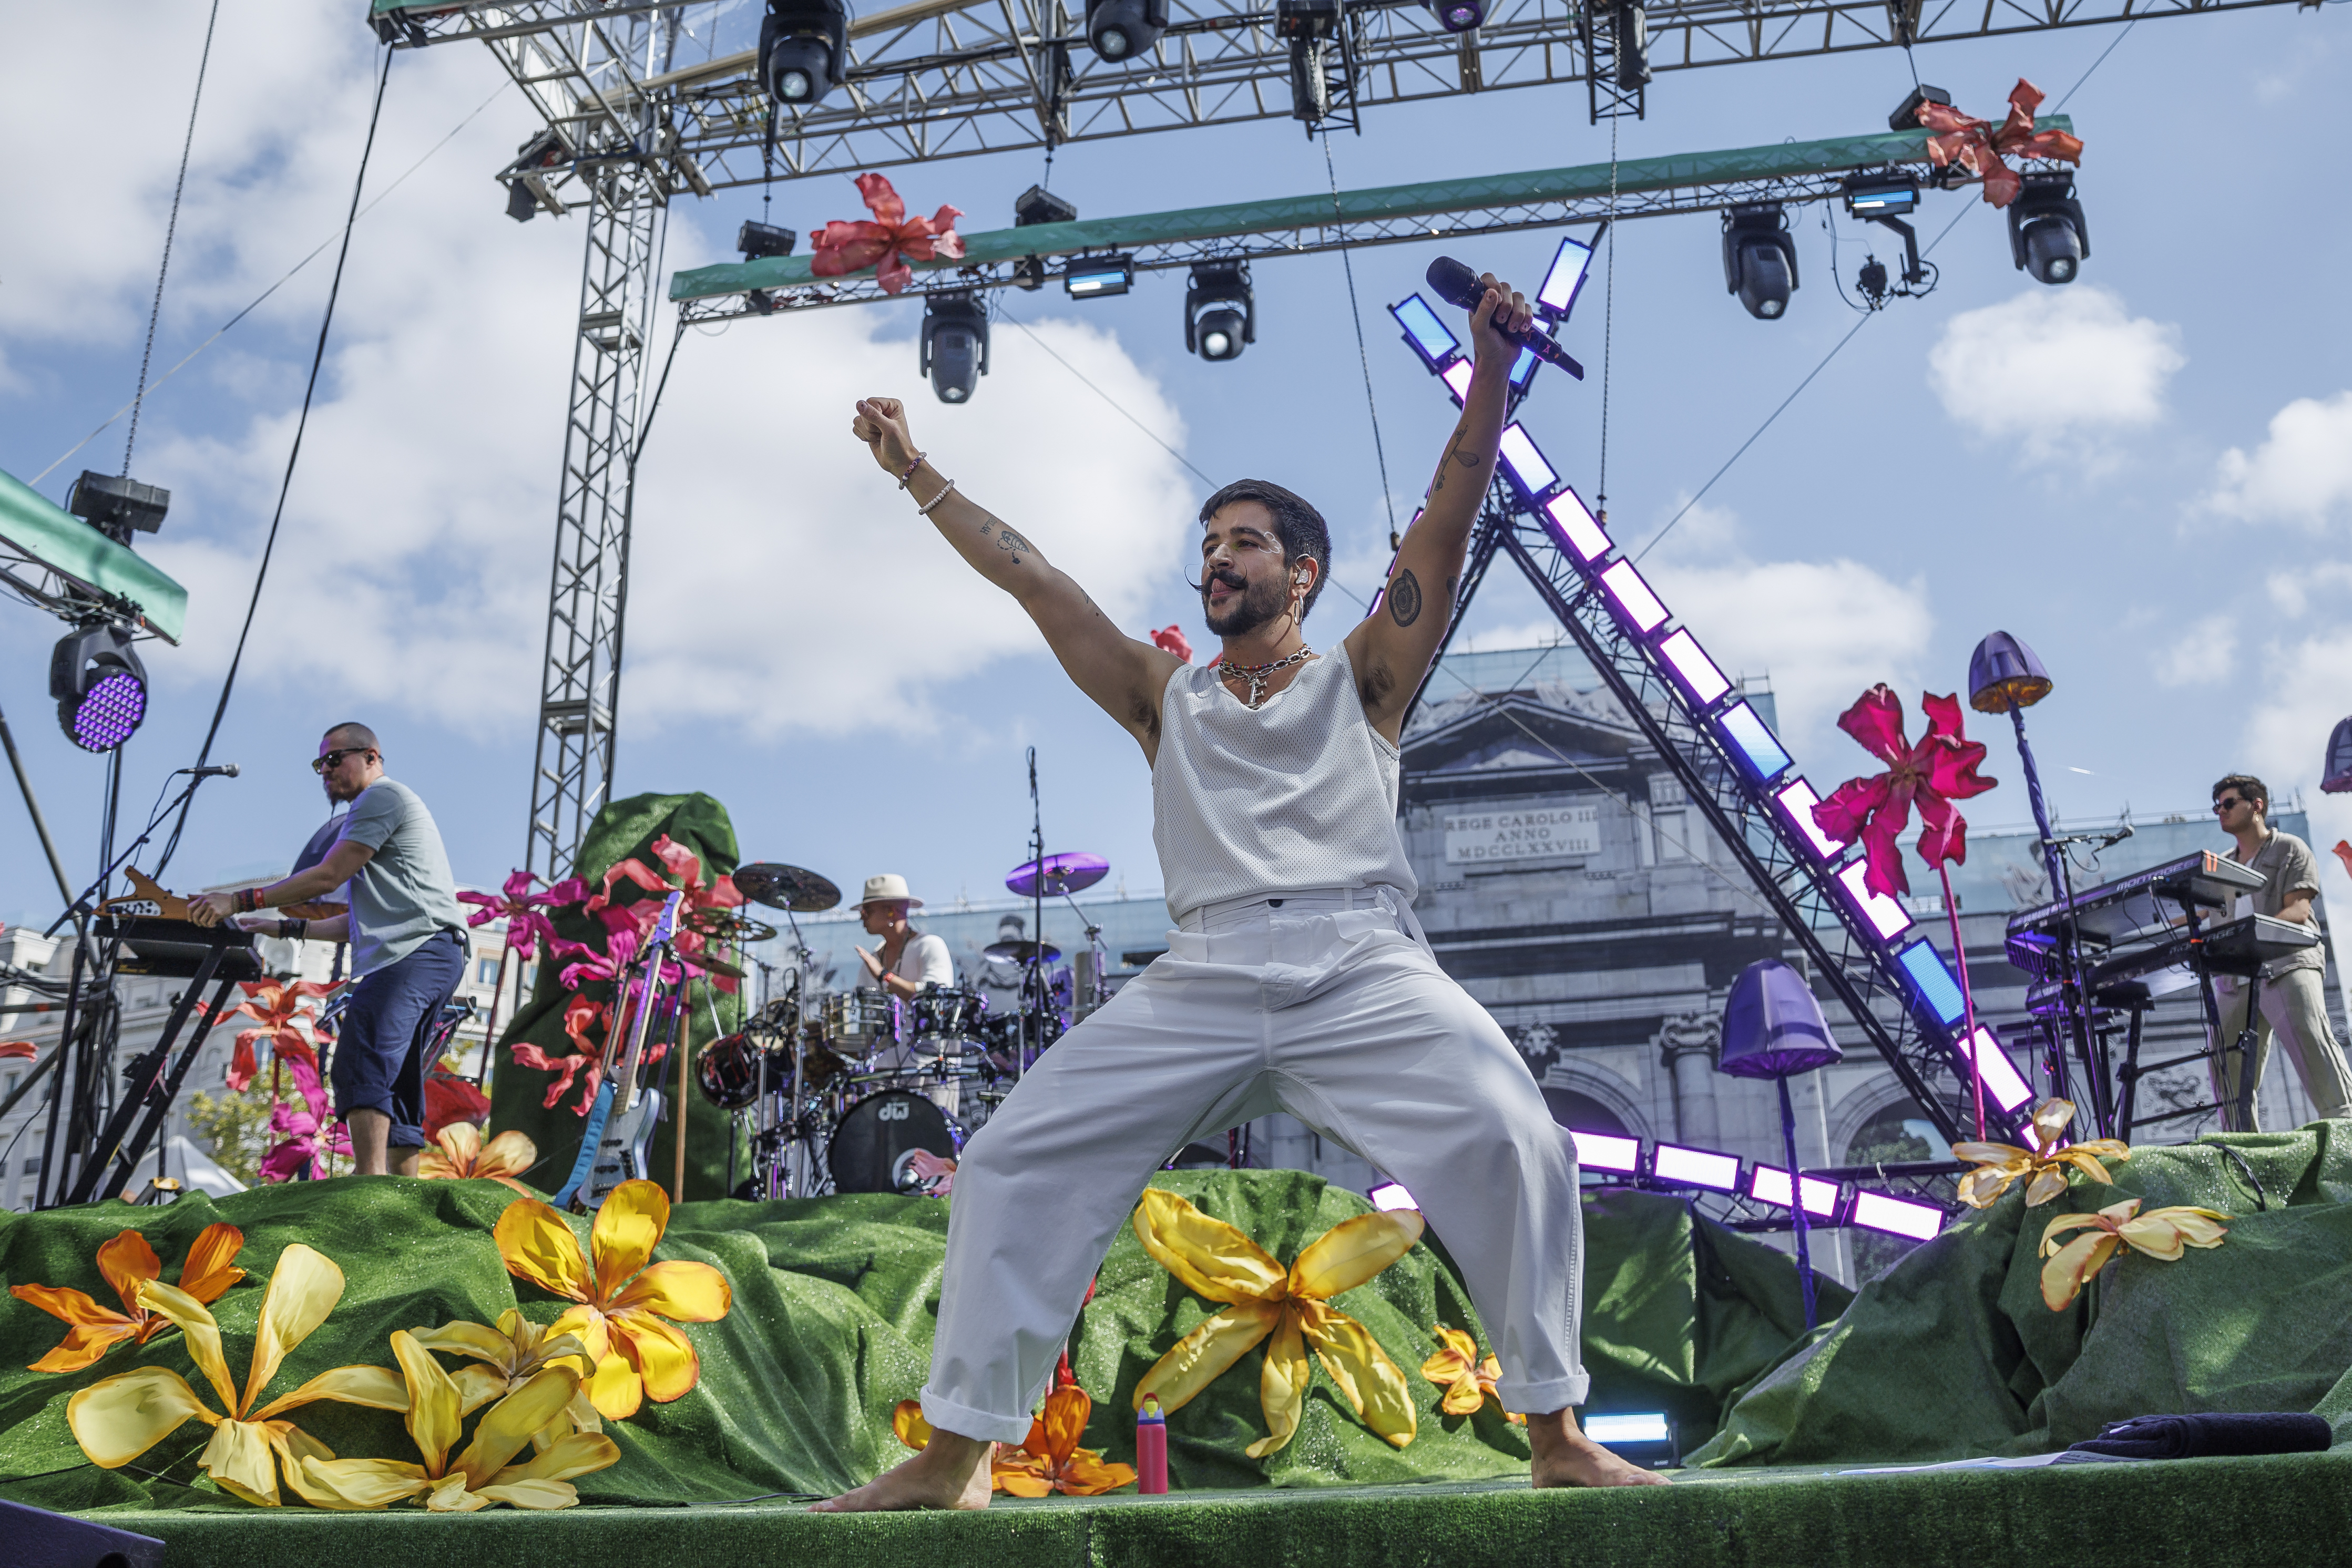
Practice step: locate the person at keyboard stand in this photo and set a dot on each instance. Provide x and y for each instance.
(2294, 993)
(408, 944)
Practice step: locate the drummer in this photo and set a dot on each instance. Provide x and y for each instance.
(907, 960)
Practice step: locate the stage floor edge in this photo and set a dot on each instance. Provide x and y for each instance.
(2210, 1512)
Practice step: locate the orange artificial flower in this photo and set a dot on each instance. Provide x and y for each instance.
(1467, 1380)
(906, 1421)
(2161, 1233)
(1050, 1461)
(622, 1301)
(463, 1156)
(1999, 1164)
(128, 1262)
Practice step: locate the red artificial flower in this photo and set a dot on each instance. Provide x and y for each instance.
(284, 1012)
(1173, 640)
(1976, 146)
(449, 1099)
(844, 247)
(1940, 769)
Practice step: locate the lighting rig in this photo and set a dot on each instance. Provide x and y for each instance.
(1759, 258)
(1219, 310)
(1898, 989)
(2047, 234)
(804, 52)
(955, 344)
(1323, 61)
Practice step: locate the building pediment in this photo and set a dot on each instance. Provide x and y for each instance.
(1476, 733)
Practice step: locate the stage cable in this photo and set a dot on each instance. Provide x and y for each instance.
(302, 423)
(260, 298)
(170, 228)
(1607, 327)
(1363, 356)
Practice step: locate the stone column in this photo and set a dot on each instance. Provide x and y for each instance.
(1689, 1045)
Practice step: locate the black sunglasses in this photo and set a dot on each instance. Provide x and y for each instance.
(2226, 801)
(324, 764)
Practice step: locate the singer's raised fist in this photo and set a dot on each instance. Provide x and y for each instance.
(881, 424)
(1501, 312)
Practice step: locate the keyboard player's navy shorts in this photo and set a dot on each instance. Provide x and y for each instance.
(379, 1062)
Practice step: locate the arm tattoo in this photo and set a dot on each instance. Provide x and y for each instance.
(1404, 598)
(1006, 539)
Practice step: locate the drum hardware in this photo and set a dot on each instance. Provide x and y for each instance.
(785, 887)
(1021, 952)
(728, 925)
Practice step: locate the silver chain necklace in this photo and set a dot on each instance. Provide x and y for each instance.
(1255, 674)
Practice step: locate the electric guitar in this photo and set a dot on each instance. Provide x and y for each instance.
(615, 1145)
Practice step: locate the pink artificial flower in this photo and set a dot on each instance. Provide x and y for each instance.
(1940, 769)
(520, 907)
(1172, 637)
(306, 1136)
(844, 247)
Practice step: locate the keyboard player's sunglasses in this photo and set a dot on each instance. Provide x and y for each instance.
(326, 762)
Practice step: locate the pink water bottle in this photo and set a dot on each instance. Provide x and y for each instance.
(1150, 1446)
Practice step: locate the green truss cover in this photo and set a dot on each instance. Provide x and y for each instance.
(38, 527)
(1585, 182)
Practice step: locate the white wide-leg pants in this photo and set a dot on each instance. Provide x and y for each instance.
(1326, 1006)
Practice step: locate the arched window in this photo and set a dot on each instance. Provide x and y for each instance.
(1582, 1113)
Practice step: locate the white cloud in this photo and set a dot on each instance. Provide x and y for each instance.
(2301, 472)
(2201, 656)
(778, 579)
(2292, 590)
(1824, 632)
(2055, 370)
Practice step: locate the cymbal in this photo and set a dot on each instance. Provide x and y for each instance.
(785, 887)
(705, 960)
(1072, 871)
(728, 925)
(1021, 952)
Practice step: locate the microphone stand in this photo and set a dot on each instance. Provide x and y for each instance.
(1033, 989)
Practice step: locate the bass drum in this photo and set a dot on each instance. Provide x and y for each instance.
(875, 1139)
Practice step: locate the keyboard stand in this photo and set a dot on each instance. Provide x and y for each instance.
(147, 1082)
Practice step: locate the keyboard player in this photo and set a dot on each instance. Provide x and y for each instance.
(2294, 991)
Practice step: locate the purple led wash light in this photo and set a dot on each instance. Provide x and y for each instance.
(1886, 917)
(1693, 668)
(1457, 377)
(2002, 1084)
(1797, 800)
(1642, 609)
(1897, 1217)
(1769, 1184)
(1607, 1152)
(1574, 528)
(1695, 1167)
(1527, 466)
(109, 712)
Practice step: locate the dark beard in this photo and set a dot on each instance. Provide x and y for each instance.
(1254, 606)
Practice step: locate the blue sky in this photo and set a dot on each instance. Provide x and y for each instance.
(2148, 475)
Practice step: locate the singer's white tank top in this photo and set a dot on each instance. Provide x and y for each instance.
(1299, 793)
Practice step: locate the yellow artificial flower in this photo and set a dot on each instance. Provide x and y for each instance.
(506, 1357)
(623, 1301)
(119, 1418)
(128, 1262)
(462, 1155)
(481, 1475)
(2160, 1233)
(1288, 1306)
(1454, 1366)
(1999, 1164)
(1050, 1461)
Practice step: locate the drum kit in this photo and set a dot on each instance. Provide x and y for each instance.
(846, 1091)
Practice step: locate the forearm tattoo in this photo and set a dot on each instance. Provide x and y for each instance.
(1404, 598)
(1007, 540)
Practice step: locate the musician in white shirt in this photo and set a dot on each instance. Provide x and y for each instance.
(907, 960)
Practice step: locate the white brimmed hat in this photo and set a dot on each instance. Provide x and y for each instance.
(889, 888)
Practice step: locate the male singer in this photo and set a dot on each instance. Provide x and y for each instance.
(1297, 979)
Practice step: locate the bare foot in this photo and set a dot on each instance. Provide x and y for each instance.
(952, 1472)
(1567, 1458)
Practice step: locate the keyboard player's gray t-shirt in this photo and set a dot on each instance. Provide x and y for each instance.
(2288, 866)
(406, 892)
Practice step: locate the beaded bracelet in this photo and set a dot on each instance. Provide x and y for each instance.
(925, 509)
(910, 473)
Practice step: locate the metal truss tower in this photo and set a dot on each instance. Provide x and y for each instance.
(581, 66)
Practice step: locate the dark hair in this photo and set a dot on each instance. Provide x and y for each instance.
(2247, 785)
(1296, 523)
(354, 733)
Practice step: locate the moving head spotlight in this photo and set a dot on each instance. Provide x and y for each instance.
(100, 686)
(1458, 16)
(1121, 30)
(1759, 258)
(1219, 310)
(803, 51)
(2047, 235)
(955, 344)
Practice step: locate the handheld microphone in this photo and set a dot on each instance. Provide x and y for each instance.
(1458, 285)
(216, 770)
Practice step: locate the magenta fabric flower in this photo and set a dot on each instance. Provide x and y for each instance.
(520, 907)
(306, 1136)
(1940, 769)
